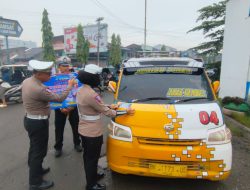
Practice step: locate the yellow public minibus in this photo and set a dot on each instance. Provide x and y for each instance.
(177, 131)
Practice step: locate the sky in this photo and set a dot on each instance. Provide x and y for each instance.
(167, 20)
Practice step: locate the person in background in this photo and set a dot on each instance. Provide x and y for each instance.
(6, 74)
(17, 77)
(36, 98)
(91, 108)
(61, 116)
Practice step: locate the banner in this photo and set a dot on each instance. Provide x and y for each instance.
(90, 33)
(57, 84)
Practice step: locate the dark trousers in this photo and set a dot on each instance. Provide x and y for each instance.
(38, 131)
(91, 153)
(60, 121)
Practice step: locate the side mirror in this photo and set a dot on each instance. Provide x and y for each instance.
(216, 86)
(112, 86)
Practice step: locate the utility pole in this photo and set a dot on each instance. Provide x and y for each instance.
(98, 20)
(7, 50)
(145, 28)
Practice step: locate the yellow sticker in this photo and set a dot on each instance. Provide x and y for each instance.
(179, 70)
(186, 92)
(165, 69)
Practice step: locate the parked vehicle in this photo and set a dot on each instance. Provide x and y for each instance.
(107, 74)
(14, 94)
(177, 131)
(14, 74)
(10, 93)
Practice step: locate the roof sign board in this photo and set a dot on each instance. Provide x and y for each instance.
(90, 33)
(10, 28)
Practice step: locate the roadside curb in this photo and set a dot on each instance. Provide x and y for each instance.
(234, 122)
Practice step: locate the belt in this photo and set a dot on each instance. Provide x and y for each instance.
(90, 117)
(38, 117)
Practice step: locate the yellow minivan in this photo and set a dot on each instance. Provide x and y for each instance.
(177, 131)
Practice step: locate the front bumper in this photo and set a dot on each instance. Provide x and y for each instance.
(211, 162)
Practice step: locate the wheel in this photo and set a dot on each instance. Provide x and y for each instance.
(18, 100)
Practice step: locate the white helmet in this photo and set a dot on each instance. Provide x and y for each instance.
(93, 69)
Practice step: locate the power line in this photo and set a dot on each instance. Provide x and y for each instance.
(116, 19)
(102, 7)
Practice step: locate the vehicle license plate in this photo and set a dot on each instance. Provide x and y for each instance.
(168, 170)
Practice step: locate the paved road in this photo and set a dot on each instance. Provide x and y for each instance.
(67, 171)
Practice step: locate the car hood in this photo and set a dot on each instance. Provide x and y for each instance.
(172, 121)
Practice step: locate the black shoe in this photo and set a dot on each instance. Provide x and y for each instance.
(100, 175)
(45, 170)
(97, 187)
(43, 185)
(58, 153)
(78, 148)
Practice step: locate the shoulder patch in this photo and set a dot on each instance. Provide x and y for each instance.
(47, 91)
(98, 99)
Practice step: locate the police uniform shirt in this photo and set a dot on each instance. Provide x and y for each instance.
(90, 103)
(36, 97)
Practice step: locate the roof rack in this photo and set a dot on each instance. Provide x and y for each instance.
(162, 61)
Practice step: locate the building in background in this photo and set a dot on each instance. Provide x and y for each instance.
(235, 70)
(16, 43)
(58, 45)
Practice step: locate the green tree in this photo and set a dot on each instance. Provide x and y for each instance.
(112, 50)
(118, 50)
(80, 45)
(212, 20)
(47, 37)
(163, 48)
(115, 50)
(86, 51)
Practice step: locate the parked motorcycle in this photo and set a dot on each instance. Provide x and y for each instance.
(11, 93)
(14, 94)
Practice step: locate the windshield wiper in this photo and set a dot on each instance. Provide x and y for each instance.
(191, 99)
(149, 99)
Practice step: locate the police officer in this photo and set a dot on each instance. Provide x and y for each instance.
(91, 107)
(36, 98)
(60, 120)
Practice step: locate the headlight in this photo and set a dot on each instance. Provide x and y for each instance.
(219, 136)
(120, 132)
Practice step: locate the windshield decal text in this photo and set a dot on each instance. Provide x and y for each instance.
(186, 92)
(165, 70)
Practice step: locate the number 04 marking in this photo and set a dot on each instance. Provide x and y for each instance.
(206, 119)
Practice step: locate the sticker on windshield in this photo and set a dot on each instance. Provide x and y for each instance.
(165, 70)
(186, 92)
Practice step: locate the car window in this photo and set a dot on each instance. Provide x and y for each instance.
(175, 83)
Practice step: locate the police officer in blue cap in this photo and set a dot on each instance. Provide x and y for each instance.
(36, 98)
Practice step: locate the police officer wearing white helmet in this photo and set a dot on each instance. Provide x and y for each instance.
(36, 98)
(91, 108)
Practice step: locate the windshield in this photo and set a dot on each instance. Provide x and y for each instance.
(164, 84)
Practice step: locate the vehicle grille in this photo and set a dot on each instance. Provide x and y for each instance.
(169, 142)
(144, 163)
